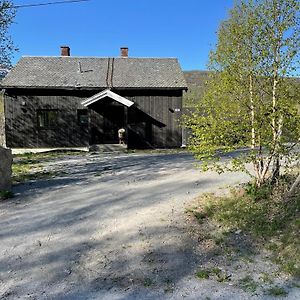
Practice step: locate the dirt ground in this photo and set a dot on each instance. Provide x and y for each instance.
(110, 227)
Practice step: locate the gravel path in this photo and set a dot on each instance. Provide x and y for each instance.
(110, 227)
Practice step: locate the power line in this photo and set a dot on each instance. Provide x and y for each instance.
(47, 3)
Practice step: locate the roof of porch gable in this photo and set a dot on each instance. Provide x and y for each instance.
(104, 94)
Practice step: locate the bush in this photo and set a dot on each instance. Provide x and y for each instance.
(258, 193)
(6, 194)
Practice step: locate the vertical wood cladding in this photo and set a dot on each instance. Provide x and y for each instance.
(152, 122)
(160, 123)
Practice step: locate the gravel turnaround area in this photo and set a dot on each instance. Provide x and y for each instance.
(108, 227)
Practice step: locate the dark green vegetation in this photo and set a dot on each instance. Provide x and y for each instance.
(277, 291)
(31, 166)
(213, 273)
(5, 195)
(248, 284)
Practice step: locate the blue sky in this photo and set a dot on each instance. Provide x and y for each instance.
(185, 29)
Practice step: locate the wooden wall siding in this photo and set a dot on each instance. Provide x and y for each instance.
(152, 122)
(21, 122)
(166, 129)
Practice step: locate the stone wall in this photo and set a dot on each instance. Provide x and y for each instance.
(2, 121)
(5, 168)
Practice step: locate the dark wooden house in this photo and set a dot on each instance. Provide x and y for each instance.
(67, 101)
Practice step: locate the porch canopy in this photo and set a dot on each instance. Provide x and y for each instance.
(107, 94)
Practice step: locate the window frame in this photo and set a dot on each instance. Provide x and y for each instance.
(48, 123)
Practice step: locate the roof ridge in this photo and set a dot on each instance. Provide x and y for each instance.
(101, 57)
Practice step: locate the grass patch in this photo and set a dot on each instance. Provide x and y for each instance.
(169, 285)
(158, 151)
(261, 215)
(48, 154)
(265, 278)
(148, 282)
(248, 284)
(213, 273)
(30, 166)
(27, 169)
(203, 274)
(23, 177)
(277, 291)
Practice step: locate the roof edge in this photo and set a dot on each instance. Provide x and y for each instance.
(103, 57)
(89, 88)
(107, 93)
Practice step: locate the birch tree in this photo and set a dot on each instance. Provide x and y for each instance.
(250, 100)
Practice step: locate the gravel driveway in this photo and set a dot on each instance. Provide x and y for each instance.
(110, 227)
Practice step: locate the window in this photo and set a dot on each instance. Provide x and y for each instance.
(82, 116)
(47, 118)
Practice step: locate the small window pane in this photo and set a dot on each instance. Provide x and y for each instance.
(83, 117)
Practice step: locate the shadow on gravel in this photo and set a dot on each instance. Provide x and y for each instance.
(73, 270)
(93, 272)
(59, 237)
(76, 172)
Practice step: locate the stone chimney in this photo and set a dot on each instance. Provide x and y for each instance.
(65, 50)
(124, 51)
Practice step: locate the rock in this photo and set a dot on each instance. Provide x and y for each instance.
(5, 169)
(240, 192)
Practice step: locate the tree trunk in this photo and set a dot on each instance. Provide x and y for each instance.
(293, 188)
(276, 160)
(253, 134)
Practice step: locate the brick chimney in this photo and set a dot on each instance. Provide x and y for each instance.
(124, 51)
(65, 50)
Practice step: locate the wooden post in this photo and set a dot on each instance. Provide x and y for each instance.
(126, 124)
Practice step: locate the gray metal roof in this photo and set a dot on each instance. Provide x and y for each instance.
(92, 72)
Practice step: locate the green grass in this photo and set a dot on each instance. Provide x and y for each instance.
(265, 278)
(264, 217)
(213, 273)
(203, 274)
(23, 177)
(30, 166)
(277, 291)
(34, 157)
(248, 284)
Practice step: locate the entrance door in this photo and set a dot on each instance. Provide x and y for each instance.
(113, 120)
